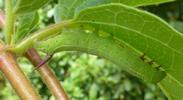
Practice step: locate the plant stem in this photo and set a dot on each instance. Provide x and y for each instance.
(2, 19)
(16, 77)
(9, 25)
(39, 35)
(47, 75)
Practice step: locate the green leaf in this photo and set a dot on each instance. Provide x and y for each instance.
(26, 6)
(143, 2)
(26, 24)
(93, 92)
(117, 52)
(171, 88)
(177, 25)
(66, 9)
(143, 31)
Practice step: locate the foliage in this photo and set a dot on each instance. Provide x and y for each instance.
(25, 6)
(23, 28)
(99, 80)
(123, 42)
(134, 31)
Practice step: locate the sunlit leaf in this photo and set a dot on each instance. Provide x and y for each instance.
(26, 24)
(66, 9)
(26, 6)
(144, 31)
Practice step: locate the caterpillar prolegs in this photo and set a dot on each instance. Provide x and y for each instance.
(150, 61)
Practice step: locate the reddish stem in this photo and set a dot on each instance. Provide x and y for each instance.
(16, 77)
(47, 75)
(2, 19)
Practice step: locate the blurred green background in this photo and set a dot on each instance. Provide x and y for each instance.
(87, 77)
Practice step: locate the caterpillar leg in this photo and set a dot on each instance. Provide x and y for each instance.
(142, 57)
(158, 67)
(151, 62)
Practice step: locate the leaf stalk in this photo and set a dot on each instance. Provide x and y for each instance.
(9, 23)
(42, 34)
(16, 77)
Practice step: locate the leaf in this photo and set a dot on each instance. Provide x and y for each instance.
(93, 91)
(177, 25)
(26, 6)
(141, 30)
(117, 52)
(172, 88)
(66, 9)
(143, 2)
(26, 24)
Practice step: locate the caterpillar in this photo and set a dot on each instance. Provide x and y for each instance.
(108, 48)
(90, 29)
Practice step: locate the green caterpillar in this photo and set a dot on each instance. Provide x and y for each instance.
(106, 47)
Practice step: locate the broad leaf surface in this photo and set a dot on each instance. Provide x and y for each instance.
(177, 25)
(171, 88)
(66, 9)
(109, 48)
(144, 31)
(26, 6)
(26, 24)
